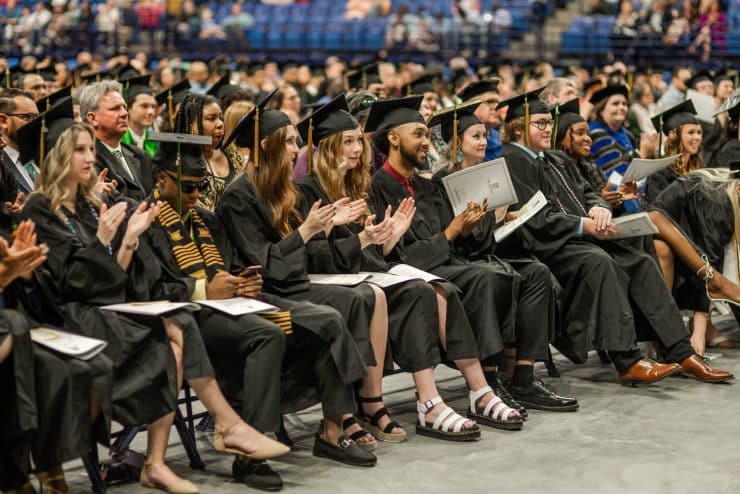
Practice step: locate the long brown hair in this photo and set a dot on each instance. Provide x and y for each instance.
(354, 183)
(509, 130)
(272, 178)
(674, 145)
(52, 179)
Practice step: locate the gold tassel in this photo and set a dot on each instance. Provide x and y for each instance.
(171, 109)
(256, 150)
(364, 79)
(526, 121)
(178, 168)
(454, 139)
(42, 143)
(553, 137)
(309, 151)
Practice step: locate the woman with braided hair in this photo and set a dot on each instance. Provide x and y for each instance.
(201, 115)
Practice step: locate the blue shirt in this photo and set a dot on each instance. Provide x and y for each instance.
(493, 145)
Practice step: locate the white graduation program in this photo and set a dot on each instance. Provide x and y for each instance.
(489, 180)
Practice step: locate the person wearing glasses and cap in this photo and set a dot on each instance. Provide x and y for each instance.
(728, 149)
(607, 284)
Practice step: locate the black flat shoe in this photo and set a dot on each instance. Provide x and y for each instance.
(500, 389)
(538, 396)
(256, 474)
(345, 451)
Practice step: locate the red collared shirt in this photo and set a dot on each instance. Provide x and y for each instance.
(407, 183)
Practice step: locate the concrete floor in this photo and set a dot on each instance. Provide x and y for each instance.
(671, 437)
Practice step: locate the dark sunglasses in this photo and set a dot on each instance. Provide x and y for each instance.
(189, 187)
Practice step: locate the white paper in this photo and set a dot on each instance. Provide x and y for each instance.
(703, 104)
(238, 306)
(155, 308)
(338, 279)
(489, 180)
(641, 168)
(81, 347)
(384, 280)
(533, 206)
(634, 225)
(413, 273)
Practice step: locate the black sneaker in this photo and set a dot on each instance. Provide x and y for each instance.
(256, 474)
(495, 382)
(539, 396)
(345, 451)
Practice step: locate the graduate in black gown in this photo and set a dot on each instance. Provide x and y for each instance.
(248, 351)
(53, 404)
(610, 288)
(400, 132)
(728, 149)
(259, 210)
(341, 168)
(93, 264)
(683, 136)
(534, 298)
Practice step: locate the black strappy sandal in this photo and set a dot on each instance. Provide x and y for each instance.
(372, 424)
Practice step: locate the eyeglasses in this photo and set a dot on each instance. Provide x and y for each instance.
(23, 116)
(490, 102)
(542, 124)
(189, 187)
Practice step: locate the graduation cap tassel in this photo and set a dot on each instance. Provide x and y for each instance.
(178, 167)
(7, 77)
(454, 139)
(171, 109)
(554, 136)
(364, 79)
(42, 142)
(256, 147)
(660, 137)
(526, 121)
(309, 150)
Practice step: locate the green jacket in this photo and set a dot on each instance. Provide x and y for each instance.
(150, 147)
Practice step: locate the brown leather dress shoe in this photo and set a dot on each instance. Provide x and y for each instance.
(646, 371)
(696, 368)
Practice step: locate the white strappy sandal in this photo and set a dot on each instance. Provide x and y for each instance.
(496, 413)
(708, 275)
(447, 426)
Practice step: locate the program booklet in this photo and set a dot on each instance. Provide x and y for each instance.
(73, 345)
(238, 306)
(338, 279)
(489, 180)
(533, 206)
(634, 225)
(412, 273)
(154, 308)
(642, 168)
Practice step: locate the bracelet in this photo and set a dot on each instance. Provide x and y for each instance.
(133, 246)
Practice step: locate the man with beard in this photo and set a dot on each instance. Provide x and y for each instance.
(17, 108)
(102, 105)
(611, 290)
(489, 294)
(487, 92)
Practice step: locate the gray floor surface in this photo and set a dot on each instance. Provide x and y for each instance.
(675, 436)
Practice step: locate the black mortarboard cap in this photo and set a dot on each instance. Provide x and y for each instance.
(458, 77)
(136, 86)
(363, 77)
(524, 104)
(173, 96)
(47, 102)
(388, 114)
(564, 116)
(422, 84)
(39, 134)
(256, 125)
(674, 117)
(455, 120)
(701, 76)
(124, 72)
(475, 89)
(608, 91)
(219, 85)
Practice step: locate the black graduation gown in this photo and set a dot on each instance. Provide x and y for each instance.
(712, 135)
(425, 246)
(729, 151)
(657, 182)
(624, 281)
(703, 212)
(536, 317)
(413, 323)
(83, 275)
(249, 227)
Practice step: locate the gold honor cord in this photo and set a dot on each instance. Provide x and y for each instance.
(256, 144)
(309, 150)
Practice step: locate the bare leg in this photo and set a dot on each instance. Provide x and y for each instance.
(719, 286)
(699, 332)
(157, 472)
(53, 480)
(470, 368)
(372, 384)
(6, 347)
(665, 258)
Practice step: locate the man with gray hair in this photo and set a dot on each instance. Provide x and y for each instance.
(102, 105)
